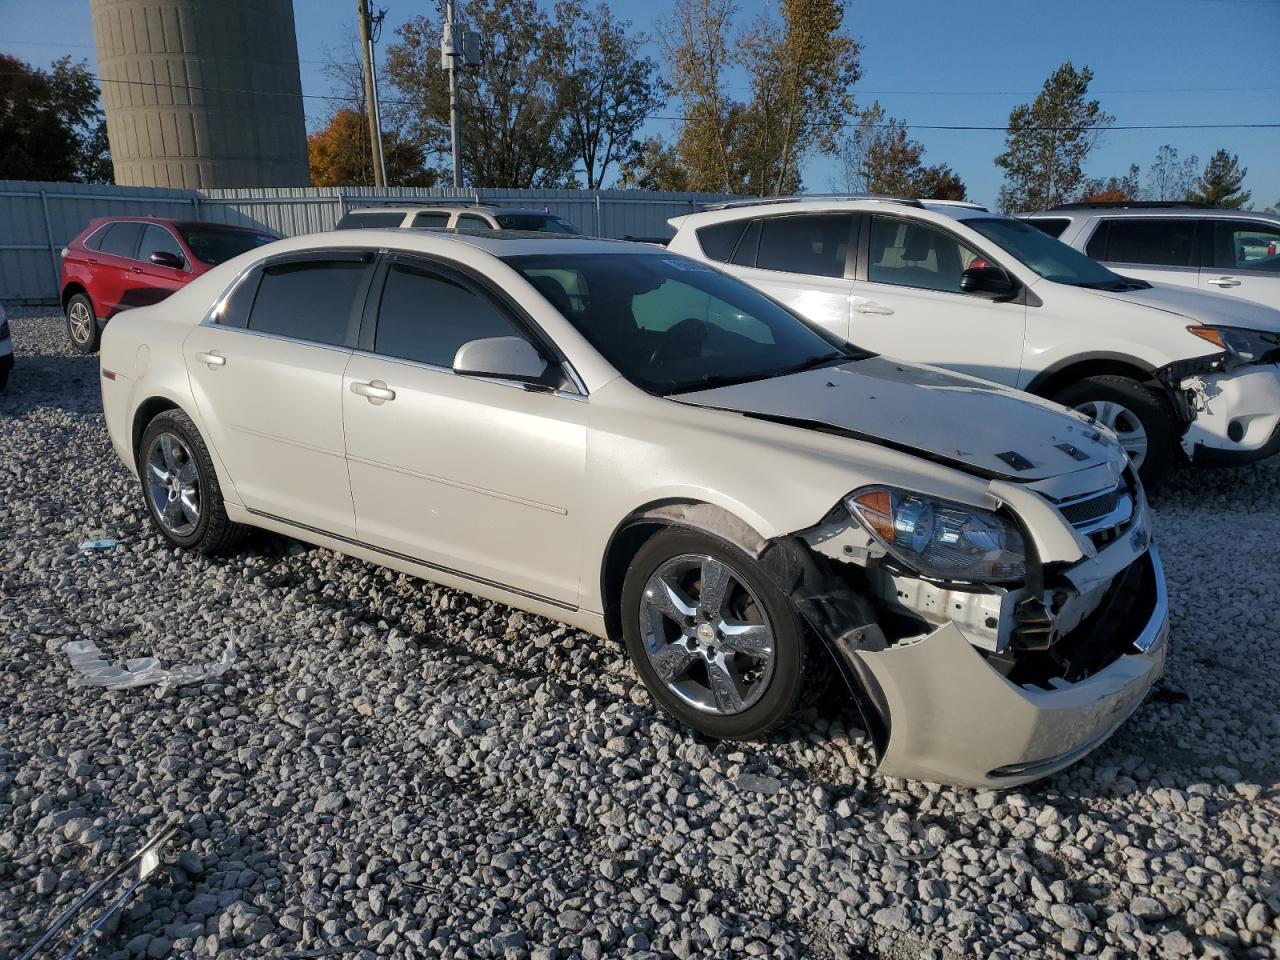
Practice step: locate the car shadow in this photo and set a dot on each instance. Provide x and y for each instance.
(39, 382)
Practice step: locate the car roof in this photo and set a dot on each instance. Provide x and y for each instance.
(177, 222)
(1146, 210)
(819, 203)
(467, 206)
(498, 243)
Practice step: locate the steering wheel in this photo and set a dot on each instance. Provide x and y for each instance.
(681, 340)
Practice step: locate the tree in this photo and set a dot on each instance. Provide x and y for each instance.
(1048, 141)
(655, 166)
(340, 156)
(1170, 178)
(1222, 183)
(512, 113)
(51, 123)
(1112, 189)
(695, 43)
(879, 157)
(609, 89)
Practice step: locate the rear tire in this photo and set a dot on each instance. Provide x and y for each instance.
(82, 324)
(181, 488)
(1140, 416)
(716, 639)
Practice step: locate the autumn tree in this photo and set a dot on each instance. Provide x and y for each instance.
(695, 41)
(340, 156)
(1170, 178)
(878, 156)
(51, 123)
(1048, 140)
(655, 166)
(1222, 183)
(1112, 189)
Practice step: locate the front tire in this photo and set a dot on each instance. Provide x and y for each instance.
(181, 488)
(716, 643)
(1140, 416)
(82, 324)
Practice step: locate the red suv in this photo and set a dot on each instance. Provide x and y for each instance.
(121, 262)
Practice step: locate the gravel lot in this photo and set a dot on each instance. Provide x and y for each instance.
(395, 769)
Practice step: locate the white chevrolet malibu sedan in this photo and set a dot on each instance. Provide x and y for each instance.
(646, 448)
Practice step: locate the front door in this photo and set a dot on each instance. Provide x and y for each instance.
(477, 477)
(267, 379)
(910, 305)
(160, 280)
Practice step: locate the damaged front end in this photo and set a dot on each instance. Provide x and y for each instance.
(1013, 673)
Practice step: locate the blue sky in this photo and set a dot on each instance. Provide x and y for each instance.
(933, 62)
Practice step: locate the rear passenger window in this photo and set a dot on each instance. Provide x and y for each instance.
(718, 239)
(311, 300)
(814, 244)
(429, 221)
(1054, 227)
(121, 238)
(426, 316)
(1165, 242)
(745, 255)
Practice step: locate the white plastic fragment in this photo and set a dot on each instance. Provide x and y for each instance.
(98, 545)
(139, 671)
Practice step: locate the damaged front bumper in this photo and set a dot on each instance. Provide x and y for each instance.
(1236, 414)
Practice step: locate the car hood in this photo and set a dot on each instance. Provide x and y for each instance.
(1200, 307)
(969, 423)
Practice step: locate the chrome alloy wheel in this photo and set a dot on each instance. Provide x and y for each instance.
(1123, 422)
(81, 322)
(707, 635)
(173, 484)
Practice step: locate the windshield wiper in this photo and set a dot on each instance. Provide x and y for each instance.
(712, 380)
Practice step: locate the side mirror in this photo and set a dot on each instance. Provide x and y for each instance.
(503, 358)
(163, 258)
(988, 281)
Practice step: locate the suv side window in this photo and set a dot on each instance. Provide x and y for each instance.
(358, 219)
(469, 221)
(427, 221)
(911, 254)
(1163, 242)
(717, 240)
(121, 239)
(745, 254)
(426, 314)
(1245, 245)
(1053, 226)
(815, 244)
(312, 299)
(157, 238)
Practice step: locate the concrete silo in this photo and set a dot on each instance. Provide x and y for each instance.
(202, 93)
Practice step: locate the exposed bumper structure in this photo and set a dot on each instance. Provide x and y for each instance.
(1236, 415)
(955, 719)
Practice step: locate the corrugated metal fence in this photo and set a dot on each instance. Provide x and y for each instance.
(38, 219)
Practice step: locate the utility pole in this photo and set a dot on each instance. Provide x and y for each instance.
(371, 93)
(449, 48)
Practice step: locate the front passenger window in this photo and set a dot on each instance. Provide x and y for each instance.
(917, 255)
(312, 300)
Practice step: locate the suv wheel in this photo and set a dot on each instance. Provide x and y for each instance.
(1139, 416)
(82, 324)
(714, 640)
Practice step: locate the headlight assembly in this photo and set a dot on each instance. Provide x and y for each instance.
(1247, 345)
(939, 538)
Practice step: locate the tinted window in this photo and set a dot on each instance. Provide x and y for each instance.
(537, 222)
(428, 221)
(1097, 245)
(1164, 242)
(213, 244)
(745, 255)
(469, 221)
(309, 300)
(94, 242)
(670, 324)
(1050, 258)
(815, 245)
(1241, 245)
(121, 239)
(1054, 228)
(426, 316)
(370, 218)
(913, 254)
(158, 239)
(717, 240)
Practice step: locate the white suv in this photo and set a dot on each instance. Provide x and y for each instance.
(1236, 252)
(954, 285)
(468, 215)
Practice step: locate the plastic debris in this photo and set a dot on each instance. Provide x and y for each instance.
(94, 671)
(107, 544)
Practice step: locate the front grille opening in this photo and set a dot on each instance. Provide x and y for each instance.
(1086, 511)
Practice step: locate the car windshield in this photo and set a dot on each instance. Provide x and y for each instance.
(1048, 256)
(213, 245)
(537, 222)
(671, 325)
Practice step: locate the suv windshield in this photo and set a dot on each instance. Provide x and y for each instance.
(537, 222)
(213, 244)
(671, 325)
(1050, 257)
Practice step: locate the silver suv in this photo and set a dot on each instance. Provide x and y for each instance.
(460, 215)
(1236, 252)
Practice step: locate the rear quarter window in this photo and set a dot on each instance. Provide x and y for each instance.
(717, 240)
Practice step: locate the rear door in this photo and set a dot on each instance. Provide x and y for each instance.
(907, 303)
(1155, 249)
(266, 371)
(114, 277)
(1242, 259)
(159, 280)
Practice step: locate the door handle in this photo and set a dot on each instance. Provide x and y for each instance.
(376, 391)
(93, 260)
(136, 269)
(213, 359)
(870, 306)
(1224, 282)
